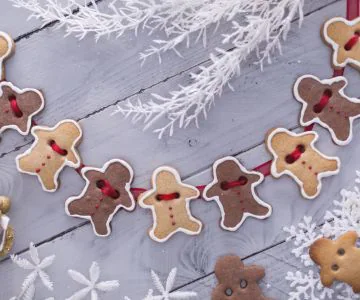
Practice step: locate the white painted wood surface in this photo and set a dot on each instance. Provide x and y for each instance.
(84, 80)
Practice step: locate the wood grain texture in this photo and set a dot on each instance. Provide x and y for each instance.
(83, 80)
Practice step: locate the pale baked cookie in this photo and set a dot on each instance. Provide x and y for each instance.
(52, 150)
(237, 281)
(106, 191)
(344, 38)
(325, 103)
(295, 155)
(233, 189)
(6, 231)
(18, 106)
(7, 48)
(169, 199)
(338, 260)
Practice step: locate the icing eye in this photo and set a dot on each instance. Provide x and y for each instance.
(334, 267)
(243, 180)
(228, 292)
(243, 283)
(341, 251)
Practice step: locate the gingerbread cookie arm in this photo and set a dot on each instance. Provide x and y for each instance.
(7, 47)
(337, 116)
(100, 207)
(325, 165)
(172, 215)
(338, 33)
(259, 209)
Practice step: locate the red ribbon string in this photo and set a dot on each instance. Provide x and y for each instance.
(229, 185)
(167, 197)
(352, 42)
(352, 9)
(323, 101)
(107, 189)
(57, 148)
(14, 107)
(295, 155)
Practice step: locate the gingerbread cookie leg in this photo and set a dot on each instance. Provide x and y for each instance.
(169, 201)
(295, 155)
(233, 189)
(106, 191)
(52, 150)
(7, 47)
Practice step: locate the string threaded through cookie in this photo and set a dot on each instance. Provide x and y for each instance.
(295, 155)
(323, 101)
(167, 197)
(57, 148)
(107, 189)
(14, 107)
(229, 185)
(353, 41)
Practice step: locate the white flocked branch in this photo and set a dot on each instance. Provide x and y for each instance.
(258, 26)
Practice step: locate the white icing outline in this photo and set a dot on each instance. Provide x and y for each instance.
(4, 223)
(253, 185)
(22, 91)
(317, 119)
(66, 162)
(335, 46)
(103, 170)
(275, 173)
(187, 200)
(7, 54)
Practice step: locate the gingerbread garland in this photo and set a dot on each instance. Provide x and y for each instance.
(233, 189)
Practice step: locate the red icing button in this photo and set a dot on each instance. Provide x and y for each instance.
(310, 167)
(37, 170)
(170, 208)
(48, 157)
(173, 223)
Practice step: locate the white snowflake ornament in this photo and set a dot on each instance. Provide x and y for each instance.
(92, 285)
(37, 267)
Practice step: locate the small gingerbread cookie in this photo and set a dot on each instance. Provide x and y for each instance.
(106, 191)
(52, 150)
(18, 106)
(344, 37)
(236, 281)
(6, 231)
(295, 155)
(7, 48)
(233, 189)
(169, 201)
(338, 260)
(325, 103)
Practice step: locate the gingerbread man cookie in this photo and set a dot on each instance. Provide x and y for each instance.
(295, 155)
(6, 231)
(233, 189)
(169, 201)
(236, 281)
(52, 150)
(18, 106)
(338, 260)
(106, 191)
(7, 47)
(344, 38)
(325, 103)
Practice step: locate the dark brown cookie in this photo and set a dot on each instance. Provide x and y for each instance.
(325, 103)
(18, 106)
(233, 189)
(106, 191)
(236, 281)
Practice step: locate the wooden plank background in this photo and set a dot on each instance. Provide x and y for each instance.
(86, 80)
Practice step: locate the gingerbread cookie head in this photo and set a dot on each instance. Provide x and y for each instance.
(344, 38)
(52, 150)
(106, 191)
(7, 47)
(233, 189)
(338, 260)
(169, 201)
(236, 281)
(295, 155)
(325, 103)
(18, 106)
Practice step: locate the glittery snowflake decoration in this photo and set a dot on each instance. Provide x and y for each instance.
(92, 284)
(344, 216)
(37, 268)
(165, 291)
